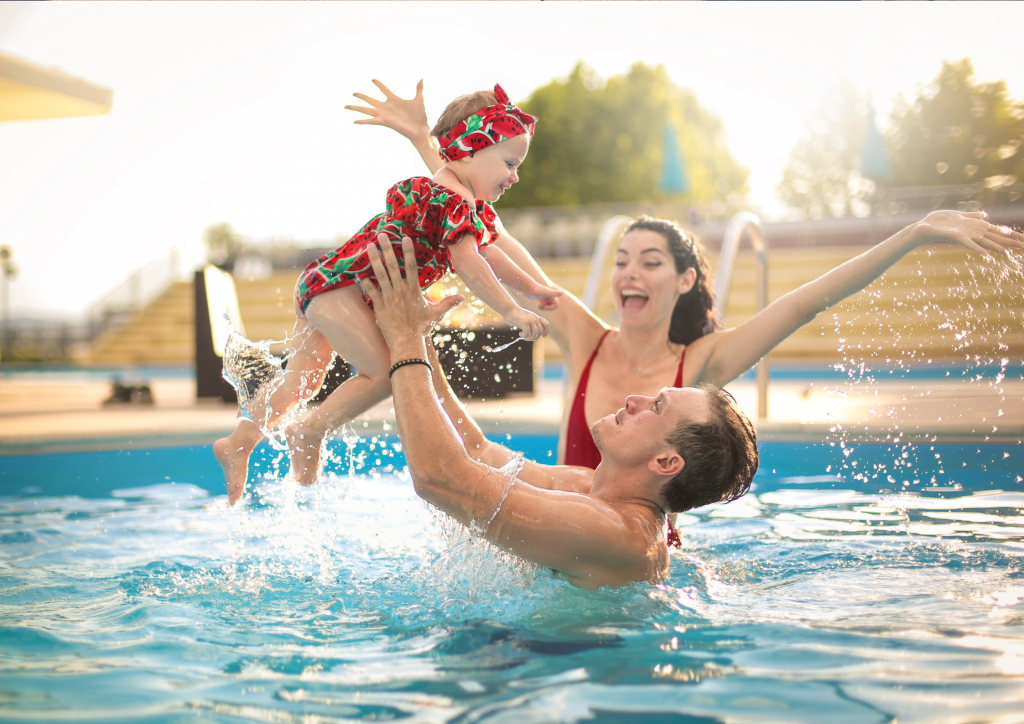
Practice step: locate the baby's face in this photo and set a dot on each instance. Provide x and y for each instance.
(493, 170)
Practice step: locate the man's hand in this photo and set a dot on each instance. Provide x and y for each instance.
(402, 310)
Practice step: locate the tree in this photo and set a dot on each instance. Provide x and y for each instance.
(222, 244)
(957, 131)
(602, 142)
(823, 176)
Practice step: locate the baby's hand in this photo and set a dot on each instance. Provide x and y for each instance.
(407, 116)
(532, 326)
(547, 297)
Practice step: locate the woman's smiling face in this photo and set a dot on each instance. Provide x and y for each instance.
(645, 282)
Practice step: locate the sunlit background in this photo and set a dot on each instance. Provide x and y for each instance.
(233, 113)
(872, 574)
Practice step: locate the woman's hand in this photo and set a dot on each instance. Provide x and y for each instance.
(532, 327)
(407, 116)
(969, 229)
(398, 302)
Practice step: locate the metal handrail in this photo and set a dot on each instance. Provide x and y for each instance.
(610, 233)
(740, 223)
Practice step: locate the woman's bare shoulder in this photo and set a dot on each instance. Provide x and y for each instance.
(581, 327)
(698, 354)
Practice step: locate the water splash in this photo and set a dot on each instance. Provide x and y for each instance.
(509, 472)
(255, 373)
(492, 350)
(903, 323)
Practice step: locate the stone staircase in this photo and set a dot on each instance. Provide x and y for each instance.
(917, 309)
(159, 334)
(936, 303)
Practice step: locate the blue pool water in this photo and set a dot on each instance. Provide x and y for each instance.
(131, 593)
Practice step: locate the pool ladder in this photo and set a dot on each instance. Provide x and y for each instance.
(741, 223)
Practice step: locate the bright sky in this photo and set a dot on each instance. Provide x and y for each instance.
(233, 112)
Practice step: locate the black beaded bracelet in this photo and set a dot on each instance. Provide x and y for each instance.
(405, 362)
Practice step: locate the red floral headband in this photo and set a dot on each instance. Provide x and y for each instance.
(486, 127)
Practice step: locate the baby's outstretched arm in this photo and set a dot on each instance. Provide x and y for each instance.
(512, 275)
(478, 275)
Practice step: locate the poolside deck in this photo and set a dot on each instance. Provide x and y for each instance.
(45, 413)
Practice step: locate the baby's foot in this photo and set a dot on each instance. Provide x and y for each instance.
(234, 460)
(304, 448)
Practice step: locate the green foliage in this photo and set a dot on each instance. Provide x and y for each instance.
(603, 142)
(823, 177)
(958, 130)
(222, 243)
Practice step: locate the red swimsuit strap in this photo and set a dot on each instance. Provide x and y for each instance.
(673, 538)
(581, 388)
(679, 374)
(579, 443)
(580, 448)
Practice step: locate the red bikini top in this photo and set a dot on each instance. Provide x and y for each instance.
(579, 443)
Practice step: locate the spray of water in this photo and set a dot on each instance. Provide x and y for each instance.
(903, 323)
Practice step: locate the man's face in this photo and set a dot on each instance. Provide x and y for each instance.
(493, 170)
(636, 434)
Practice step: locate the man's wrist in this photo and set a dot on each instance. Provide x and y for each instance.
(407, 346)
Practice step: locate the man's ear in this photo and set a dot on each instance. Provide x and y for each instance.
(668, 463)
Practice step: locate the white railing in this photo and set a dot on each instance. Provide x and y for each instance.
(609, 236)
(740, 223)
(139, 289)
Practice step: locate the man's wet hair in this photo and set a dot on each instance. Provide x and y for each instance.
(720, 455)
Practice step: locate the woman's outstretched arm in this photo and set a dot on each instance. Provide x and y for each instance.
(722, 356)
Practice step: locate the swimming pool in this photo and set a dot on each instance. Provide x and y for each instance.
(129, 592)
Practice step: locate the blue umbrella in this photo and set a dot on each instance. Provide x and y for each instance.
(674, 179)
(873, 163)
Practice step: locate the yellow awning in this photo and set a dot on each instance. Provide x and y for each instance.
(30, 92)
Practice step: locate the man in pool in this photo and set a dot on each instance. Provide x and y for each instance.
(606, 527)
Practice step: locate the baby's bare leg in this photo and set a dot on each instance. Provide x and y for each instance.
(343, 318)
(307, 362)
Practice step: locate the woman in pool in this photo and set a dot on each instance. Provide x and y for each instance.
(663, 296)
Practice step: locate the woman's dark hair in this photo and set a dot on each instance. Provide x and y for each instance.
(720, 456)
(694, 314)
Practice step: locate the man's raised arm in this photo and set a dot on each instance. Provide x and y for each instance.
(570, 478)
(583, 538)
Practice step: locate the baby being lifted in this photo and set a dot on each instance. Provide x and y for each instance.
(484, 138)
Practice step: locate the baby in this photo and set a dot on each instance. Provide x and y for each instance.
(484, 138)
